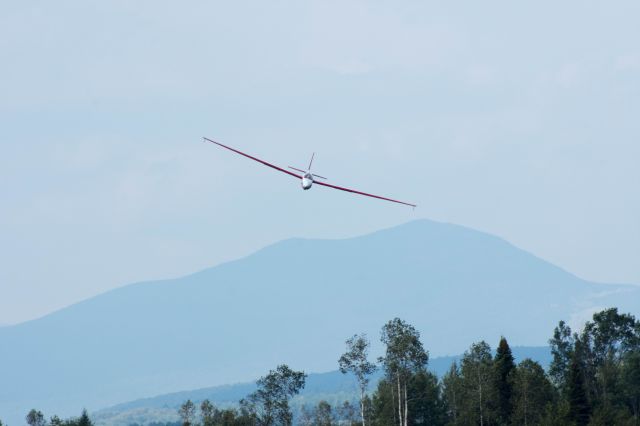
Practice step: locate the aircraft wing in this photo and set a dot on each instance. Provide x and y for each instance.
(362, 193)
(273, 166)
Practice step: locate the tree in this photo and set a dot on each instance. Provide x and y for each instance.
(404, 356)
(323, 415)
(561, 350)
(187, 412)
(477, 382)
(425, 405)
(348, 414)
(384, 404)
(532, 393)
(269, 405)
(453, 393)
(56, 421)
(355, 360)
(631, 384)
(606, 340)
(35, 418)
(503, 381)
(423, 397)
(84, 419)
(207, 413)
(579, 407)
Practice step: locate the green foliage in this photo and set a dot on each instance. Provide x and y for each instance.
(324, 414)
(579, 405)
(208, 413)
(404, 356)
(349, 415)
(187, 412)
(404, 351)
(426, 406)
(355, 360)
(56, 421)
(594, 380)
(269, 405)
(35, 418)
(561, 349)
(453, 394)
(630, 378)
(504, 367)
(84, 419)
(533, 393)
(384, 405)
(477, 378)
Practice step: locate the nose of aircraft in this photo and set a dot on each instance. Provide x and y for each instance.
(307, 181)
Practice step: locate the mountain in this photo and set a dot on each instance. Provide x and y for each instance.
(294, 302)
(333, 387)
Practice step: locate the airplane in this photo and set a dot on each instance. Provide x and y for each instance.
(307, 179)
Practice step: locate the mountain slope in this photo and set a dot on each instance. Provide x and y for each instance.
(293, 302)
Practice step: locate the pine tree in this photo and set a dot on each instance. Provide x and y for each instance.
(503, 376)
(425, 404)
(579, 407)
(84, 419)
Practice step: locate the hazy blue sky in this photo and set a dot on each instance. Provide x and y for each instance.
(522, 120)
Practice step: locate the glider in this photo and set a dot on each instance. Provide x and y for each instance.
(307, 178)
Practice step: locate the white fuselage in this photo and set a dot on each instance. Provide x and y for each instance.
(307, 181)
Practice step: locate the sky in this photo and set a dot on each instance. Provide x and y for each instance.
(516, 119)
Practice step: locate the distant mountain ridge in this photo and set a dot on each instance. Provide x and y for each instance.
(293, 302)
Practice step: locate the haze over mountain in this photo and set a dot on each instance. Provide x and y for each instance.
(293, 302)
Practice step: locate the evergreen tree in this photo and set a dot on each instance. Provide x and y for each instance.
(425, 404)
(504, 366)
(56, 421)
(384, 404)
(579, 406)
(84, 419)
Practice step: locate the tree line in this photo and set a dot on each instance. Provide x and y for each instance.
(593, 380)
